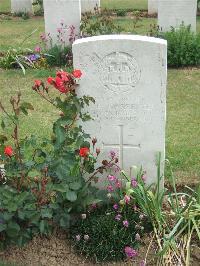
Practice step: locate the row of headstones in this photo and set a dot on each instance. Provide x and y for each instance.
(174, 13)
(26, 5)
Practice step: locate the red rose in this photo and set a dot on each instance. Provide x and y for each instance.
(50, 80)
(38, 83)
(83, 152)
(8, 151)
(77, 73)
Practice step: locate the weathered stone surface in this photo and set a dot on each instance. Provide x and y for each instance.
(65, 12)
(89, 5)
(126, 75)
(152, 6)
(21, 6)
(171, 13)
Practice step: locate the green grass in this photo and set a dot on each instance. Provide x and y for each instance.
(183, 115)
(13, 32)
(5, 6)
(109, 4)
(125, 4)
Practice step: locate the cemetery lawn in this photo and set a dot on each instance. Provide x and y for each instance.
(125, 4)
(183, 115)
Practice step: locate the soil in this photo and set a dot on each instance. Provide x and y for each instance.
(58, 251)
(55, 251)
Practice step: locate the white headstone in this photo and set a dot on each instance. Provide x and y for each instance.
(171, 13)
(89, 5)
(152, 6)
(21, 6)
(62, 14)
(126, 74)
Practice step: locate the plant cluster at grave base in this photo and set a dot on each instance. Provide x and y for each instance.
(183, 46)
(115, 232)
(45, 55)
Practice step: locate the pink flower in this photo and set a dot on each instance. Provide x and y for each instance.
(115, 206)
(37, 49)
(130, 252)
(110, 188)
(125, 223)
(94, 205)
(112, 178)
(59, 30)
(134, 183)
(118, 184)
(127, 199)
(144, 177)
(112, 154)
(118, 217)
(142, 263)
(78, 237)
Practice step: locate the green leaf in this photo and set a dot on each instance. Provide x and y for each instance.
(3, 124)
(42, 226)
(2, 227)
(26, 105)
(46, 213)
(13, 229)
(3, 138)
(75, 185)
(60, 187)
(71, 196)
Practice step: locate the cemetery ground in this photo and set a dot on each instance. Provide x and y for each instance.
(182, 129)
(182, 143)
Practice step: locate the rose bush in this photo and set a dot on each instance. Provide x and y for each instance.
(43, 183)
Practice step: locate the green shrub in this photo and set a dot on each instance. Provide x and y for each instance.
(59, 56)
(107, 237)
(121, 12)
(183, 47)
(23, 14)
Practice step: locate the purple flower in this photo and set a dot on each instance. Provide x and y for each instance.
(137, 237)
(32, 57)
(142, 263)
(112, 154)
(110, 188)
(130, 252)
(86, 237)
(115, 206)
(112, 178)
(78, 237)
(118, 217)
(125, 223)
(94, 205)
(127, 199)
(134, 182)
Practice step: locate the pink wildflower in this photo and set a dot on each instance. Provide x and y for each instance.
(115, 206)
(130, 252)
(134, 182)
(118, 217)
(110, 188)
(125, 223)
(127, 199)
(112, 178)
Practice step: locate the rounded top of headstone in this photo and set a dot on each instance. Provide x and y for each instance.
(121, 37)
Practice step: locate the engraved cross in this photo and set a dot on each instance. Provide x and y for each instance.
(121, 146)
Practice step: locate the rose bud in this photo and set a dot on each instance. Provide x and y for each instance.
(98, 151)
(94, 141)
(105, 162)
(116, 160)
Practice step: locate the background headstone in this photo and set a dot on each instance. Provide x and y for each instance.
(89, 5)
(62, 14)
(126, 74)
(174, 12)
(152, 6)
(21, 6)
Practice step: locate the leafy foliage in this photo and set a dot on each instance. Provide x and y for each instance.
(107, 236)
